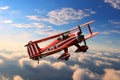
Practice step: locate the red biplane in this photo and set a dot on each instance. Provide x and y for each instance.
(62, 41)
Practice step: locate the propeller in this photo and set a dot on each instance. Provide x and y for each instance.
(80, 29)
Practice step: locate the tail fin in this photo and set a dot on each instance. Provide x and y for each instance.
(33, 49)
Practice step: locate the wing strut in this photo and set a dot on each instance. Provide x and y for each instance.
(89, 29)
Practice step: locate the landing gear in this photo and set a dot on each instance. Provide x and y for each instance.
(65, 56)
(81, 38)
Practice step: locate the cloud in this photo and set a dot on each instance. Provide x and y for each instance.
(114, 3)
(48, 31)
(99, 63)
(109, 32)
(74, 69)
(39, 25)
(22, 25)
(4, 78)
(26, 61)
(32, 25)
(114, 22)
(105, 57)
(84, 74)
(33, 18)
(111, 59)
(63, 16)
(17, 77)
(7, 21)
(83, 57)
(115, 31)
(1, 61)
(59, 65)
(111, 74)
(13, 55)
(4, 7)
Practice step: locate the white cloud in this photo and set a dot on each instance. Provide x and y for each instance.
(63, 16)
(111, 74)
(39, 25)
(72, 67)
(4, 7)
(33, 18)
(114, 3)
(99, 63)
(14, 55)
(31, 25)
(59, 65)
(17, 77)
(84, 74)
(22, 61)
(115, 31)
(7, 21)
(22, 25)
(114, 22)
(82, 57)
(105, 56)
(1, 61)
(26, 61)
(109, 32)
(48, 31)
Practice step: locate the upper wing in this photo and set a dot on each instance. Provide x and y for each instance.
(54, 36)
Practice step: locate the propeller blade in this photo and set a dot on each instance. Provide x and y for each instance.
(80, 29)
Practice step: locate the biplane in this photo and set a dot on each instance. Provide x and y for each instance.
(62, 41)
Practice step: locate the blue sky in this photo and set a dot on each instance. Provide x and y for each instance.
(25, 20)
(30, 20)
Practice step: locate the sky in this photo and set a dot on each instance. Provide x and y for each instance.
(25, 20)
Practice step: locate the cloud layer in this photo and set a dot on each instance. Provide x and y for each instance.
(111, 74)
(92, 65)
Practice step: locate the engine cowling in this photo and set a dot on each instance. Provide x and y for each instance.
(79, 37)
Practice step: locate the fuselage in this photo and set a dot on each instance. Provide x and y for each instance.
(62, 42)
